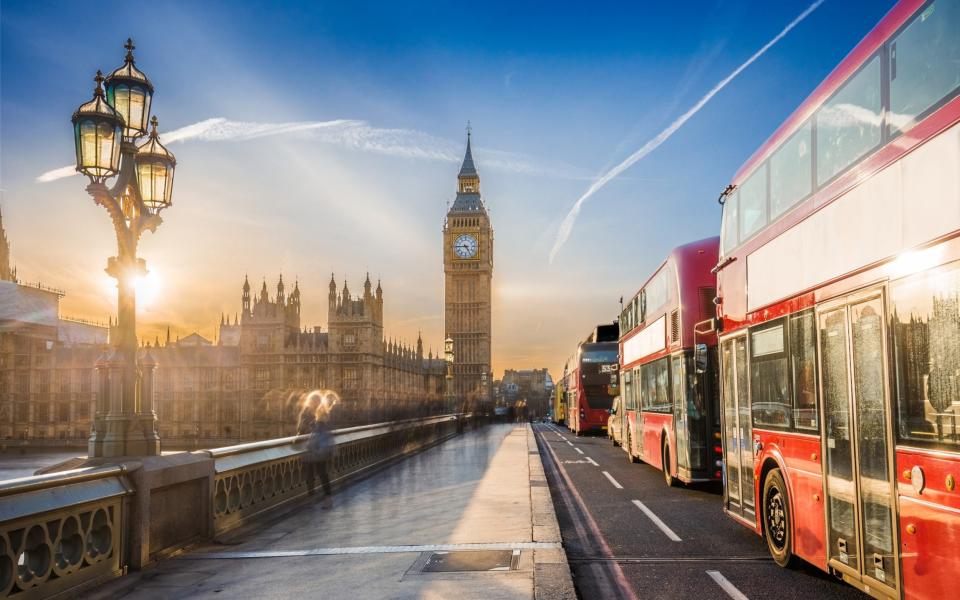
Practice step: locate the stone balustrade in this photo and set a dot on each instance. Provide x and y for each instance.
(260, 476)
(62, 530)
(67, 531)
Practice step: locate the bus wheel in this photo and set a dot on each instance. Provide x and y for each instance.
(776, 518)
(667, 477)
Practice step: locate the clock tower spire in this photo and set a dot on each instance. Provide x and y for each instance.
(468, 275)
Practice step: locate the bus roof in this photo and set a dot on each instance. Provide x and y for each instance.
(889, 24)
(684, 255)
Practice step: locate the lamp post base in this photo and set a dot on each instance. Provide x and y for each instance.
(125, 436)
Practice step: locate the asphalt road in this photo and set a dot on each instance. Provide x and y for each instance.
(617, 549)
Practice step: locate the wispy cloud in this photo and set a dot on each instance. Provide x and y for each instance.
(563, 233)
(352, 134)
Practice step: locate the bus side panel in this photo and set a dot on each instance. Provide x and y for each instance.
(929, 556)
(801, 456)
(653, 426)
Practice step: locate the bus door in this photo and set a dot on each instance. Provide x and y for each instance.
(857, 444)
(737, 433)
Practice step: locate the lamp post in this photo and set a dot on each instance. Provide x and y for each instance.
(448, 356)
(106, 132)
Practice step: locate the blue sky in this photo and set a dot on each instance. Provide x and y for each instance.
(556, 94)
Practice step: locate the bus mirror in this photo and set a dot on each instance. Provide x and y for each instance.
(700, 358)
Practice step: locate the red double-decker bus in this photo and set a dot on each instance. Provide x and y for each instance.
(839, 301)
(590, 381)
(668, 369)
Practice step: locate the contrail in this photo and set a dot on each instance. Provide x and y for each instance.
(567, 225)
(348, 133)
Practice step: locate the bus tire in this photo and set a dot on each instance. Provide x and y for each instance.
(665, 455)
(776, 519)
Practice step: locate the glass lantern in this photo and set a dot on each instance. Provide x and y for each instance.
(155, 166)
(97, 130)
(130, 92)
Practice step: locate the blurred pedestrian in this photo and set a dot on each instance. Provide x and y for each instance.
(314, 420)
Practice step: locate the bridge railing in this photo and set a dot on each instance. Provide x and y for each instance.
(260, 476)
(62, 530)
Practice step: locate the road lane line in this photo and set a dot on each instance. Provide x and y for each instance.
(569, 443)
(574, 501)
(516, 547)
(591, 461)
(728, 587)
(578, 450)
(615, 483)
(656, 521)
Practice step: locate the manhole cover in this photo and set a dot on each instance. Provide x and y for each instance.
(472, 560)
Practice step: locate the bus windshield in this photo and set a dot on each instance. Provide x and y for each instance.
(599, 355)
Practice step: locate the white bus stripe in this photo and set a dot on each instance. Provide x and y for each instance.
(578, 450)
(615, 483)
(591, 461)
(656, 521)
(728, 587)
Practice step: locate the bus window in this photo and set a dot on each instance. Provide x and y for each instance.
(769, 383)
(791, 172)
(848, 125)
(730, 238)
(628, 386)
(924, 63)
(803, 361)
(656, 386)
(925, 321)
(753, 203)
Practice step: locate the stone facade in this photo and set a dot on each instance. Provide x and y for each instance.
(244, 386)
(533, 387)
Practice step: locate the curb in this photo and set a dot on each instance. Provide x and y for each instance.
(551, 572)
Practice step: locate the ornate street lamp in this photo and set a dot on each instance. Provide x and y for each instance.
(98, 130)
(448, 356)
(106, 130)
(130, 92)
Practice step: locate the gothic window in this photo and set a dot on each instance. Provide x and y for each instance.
(209, 379)
(64, 382)
(350, 379)
(261, 378)
(43, 382)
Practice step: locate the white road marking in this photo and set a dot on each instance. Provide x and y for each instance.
(578, 450)
(615, 483)
(728, 587)
(514, 546)
(656, 521)
(592, 462)
(569, 443)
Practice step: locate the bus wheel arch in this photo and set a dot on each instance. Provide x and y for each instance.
(776, 514)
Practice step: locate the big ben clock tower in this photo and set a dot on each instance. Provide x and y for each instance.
(468, 271)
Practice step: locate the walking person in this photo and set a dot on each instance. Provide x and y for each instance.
(314, 418)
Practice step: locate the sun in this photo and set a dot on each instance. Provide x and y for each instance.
(149, 287)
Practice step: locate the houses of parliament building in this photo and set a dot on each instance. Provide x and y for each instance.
(246, 383)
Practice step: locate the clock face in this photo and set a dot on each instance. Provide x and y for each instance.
(465, 246)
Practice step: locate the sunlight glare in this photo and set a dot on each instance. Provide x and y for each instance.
(148, 289)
